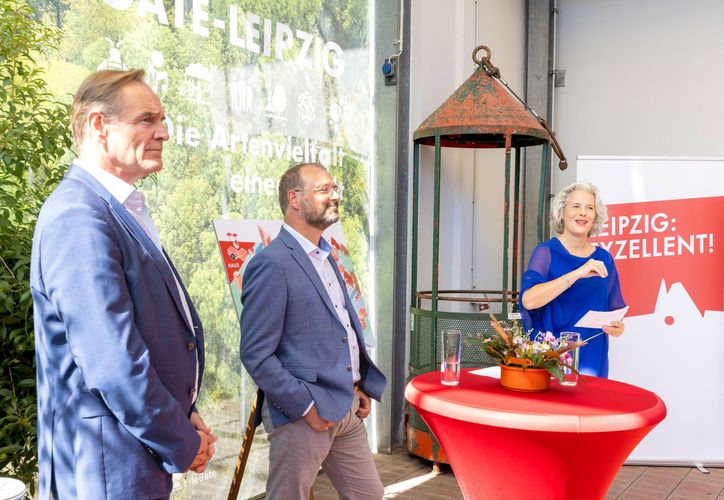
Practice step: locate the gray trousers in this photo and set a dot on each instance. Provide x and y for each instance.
(296, 452)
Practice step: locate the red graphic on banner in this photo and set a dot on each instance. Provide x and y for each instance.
(235, 253)
(679, 241)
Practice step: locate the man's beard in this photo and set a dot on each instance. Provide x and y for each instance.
(322, 220)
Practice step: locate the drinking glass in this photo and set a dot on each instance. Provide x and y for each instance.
(450, 366)
(570, 377)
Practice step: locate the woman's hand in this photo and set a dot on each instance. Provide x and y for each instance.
(592, 267)
(543, 293)
(615, 329)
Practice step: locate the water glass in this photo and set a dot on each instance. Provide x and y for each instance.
(450, 366)
(570, 377)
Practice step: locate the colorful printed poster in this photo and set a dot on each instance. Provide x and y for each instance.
(240, 240)
(666, 233)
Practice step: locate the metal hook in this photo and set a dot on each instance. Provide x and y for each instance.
(492, 71)
(484, 62)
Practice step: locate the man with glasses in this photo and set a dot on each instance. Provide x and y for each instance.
(301, 342)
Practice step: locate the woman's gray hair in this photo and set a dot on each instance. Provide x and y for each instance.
(561, 200)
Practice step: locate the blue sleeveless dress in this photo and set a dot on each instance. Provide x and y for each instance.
(551, 260)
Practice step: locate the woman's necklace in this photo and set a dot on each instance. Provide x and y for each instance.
(585, 250)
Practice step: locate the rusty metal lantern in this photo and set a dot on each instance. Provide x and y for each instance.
(482, 113)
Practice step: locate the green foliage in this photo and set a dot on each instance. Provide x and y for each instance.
(33, 137)
(94, 26)
(50, 10)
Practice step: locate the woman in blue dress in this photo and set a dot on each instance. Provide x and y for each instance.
(568, 276)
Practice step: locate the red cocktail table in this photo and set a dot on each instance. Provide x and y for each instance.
(565, 443)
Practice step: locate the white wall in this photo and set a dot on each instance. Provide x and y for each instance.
(444, 34)
(643, 78)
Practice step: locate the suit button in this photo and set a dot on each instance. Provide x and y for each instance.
(349, 368)
(192, 393)
(344, 340)
(190, 346)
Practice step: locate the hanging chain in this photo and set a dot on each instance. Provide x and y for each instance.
(486, 65)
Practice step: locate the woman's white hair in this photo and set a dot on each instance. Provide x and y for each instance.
(561, 200)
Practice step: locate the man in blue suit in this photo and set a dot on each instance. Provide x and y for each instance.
(119, 346)
(301, 342)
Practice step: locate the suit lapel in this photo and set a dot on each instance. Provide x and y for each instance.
(125, 218)
(306, 264)
(189, 303)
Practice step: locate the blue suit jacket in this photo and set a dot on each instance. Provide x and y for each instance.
(292, 342)
(116, 360)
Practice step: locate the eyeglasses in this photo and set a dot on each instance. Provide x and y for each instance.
(325, 190)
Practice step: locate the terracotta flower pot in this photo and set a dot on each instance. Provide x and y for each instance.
(528, 380)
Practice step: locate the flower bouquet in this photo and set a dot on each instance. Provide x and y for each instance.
(543, 355)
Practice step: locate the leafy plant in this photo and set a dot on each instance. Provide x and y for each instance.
(513, 346)
(34, 136)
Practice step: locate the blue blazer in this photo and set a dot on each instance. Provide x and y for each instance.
(292, 342)
(115, 355)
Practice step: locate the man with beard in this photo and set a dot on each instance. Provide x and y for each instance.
(301, 342)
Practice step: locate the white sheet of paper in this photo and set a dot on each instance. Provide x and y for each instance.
(599, 319)
(491, 371)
